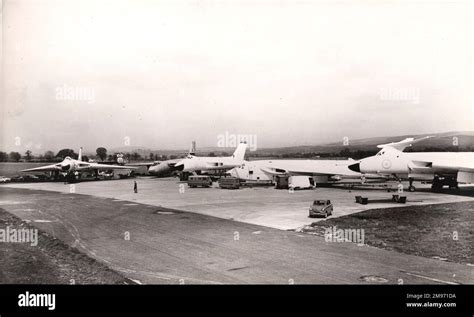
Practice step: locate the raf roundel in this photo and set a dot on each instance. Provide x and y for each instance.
(386, 164)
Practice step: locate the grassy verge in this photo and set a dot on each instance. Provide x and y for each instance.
(428, 231)
(50, 262)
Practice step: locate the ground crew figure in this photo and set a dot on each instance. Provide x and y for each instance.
(135, 187)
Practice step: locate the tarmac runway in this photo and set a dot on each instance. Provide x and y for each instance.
(152, 244)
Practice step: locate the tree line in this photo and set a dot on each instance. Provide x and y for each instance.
(101, 155)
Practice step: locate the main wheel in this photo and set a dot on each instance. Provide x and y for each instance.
(411, 188)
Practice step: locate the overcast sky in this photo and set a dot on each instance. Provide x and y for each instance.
(163, 73)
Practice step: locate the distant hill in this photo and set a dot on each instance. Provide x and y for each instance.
(440, 141)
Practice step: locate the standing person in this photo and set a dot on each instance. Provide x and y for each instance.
(135, 187)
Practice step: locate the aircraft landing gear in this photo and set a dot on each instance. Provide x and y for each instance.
(70, 178)
(454, 186)
(411, 188)
(437, 184)
(183, 176)
(452, 183)
(55, 175)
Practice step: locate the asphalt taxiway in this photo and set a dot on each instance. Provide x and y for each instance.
(263, 206)
(133, 235)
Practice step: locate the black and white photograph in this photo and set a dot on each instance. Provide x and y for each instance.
(216, 143)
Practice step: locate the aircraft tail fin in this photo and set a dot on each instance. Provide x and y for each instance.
(79, 157)
(239, 153)
(192, 149)
(402, 145)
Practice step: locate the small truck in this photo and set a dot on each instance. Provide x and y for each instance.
(321, 208)
(300, 182)
(199, 181)
(229, 183)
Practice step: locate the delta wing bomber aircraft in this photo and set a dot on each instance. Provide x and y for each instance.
(73, 168)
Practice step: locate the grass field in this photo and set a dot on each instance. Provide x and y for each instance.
(10, 169)
(442, 231)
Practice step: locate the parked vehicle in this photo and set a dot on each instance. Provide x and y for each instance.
(26, 178)
(281, 182)
(300, 182)
(4, 179)
(321, 208)
(17, 178)
(31, 178)
(229, 183)
(107, 174)
(42, 178)
(362, 200)
(257, 183)
(399, 199)
(199, 181)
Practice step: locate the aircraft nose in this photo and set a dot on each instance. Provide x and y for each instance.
(355, 167)
(155, 169)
